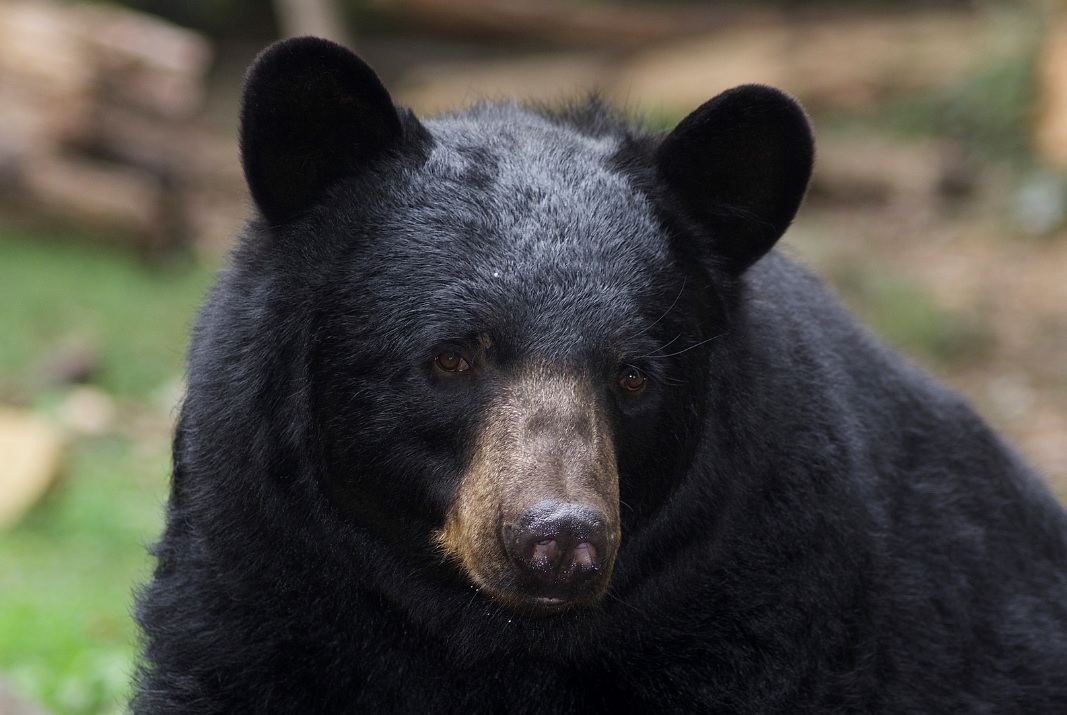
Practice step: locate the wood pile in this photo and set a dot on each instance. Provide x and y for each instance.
(98, 124)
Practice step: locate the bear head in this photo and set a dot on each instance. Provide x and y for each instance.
(507, 313)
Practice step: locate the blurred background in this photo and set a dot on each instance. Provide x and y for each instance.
(938, 211)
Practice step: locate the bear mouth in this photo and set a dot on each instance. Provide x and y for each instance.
(550, 605)
(537, 598)
(542, 604)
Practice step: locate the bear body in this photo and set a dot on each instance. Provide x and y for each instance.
(518, 411)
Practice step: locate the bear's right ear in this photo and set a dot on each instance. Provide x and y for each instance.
(312, 113)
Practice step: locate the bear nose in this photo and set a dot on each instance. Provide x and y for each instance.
(558, 543)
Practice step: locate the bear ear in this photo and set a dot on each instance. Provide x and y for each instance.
(312, 113)
(740, 165)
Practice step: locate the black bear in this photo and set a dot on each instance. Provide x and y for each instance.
(516, 411)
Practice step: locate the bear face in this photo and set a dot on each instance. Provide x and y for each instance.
(527, 366)
(508, 281)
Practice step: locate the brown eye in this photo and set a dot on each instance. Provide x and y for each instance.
(631, 380)
(451, 361)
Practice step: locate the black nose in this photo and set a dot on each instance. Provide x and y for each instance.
(559, 544)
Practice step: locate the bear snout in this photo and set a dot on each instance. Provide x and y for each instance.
(535, 518)
(560, 547)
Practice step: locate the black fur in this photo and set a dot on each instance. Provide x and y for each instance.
(810, 525)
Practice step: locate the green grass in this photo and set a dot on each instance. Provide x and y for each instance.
(54, 288)
(66, 576)
(68, 570)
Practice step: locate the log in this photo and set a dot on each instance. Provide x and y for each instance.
(33, 452)
(39, 47)
(144, 61)
(95, 195)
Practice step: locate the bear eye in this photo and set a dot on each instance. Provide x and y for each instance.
(631, 380)
(451, 361)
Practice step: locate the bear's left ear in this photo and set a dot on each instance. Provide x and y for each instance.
(312, 113)
(740, 165)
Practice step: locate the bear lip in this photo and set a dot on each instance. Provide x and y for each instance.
(548, 602)
(547, 605)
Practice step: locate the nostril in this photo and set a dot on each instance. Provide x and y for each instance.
(545, 556)
(585, 557)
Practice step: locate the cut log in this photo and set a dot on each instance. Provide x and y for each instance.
(93, 194)
(39, 47)
(144, 61)
(33, 451)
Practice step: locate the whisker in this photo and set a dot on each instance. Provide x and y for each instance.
(694, 345)
(661, 347)
(665, 314)
(619, 600)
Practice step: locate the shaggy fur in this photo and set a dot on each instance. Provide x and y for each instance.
(808, 524)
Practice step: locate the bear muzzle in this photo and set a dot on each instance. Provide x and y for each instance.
(535, 520)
